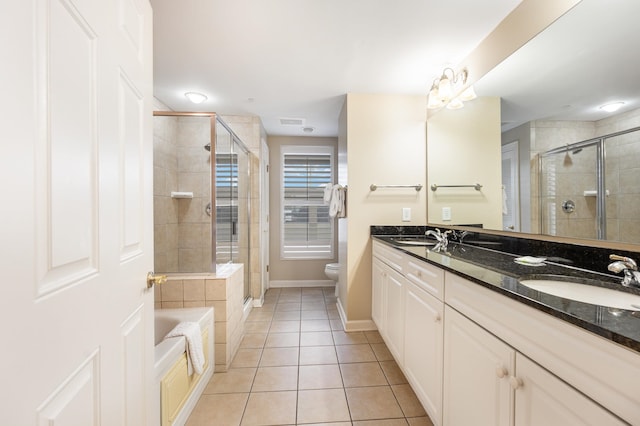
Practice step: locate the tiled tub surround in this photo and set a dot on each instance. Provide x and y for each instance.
(496, 270)
(224, 292)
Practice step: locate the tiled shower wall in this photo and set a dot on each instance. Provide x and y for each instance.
(182, 229)
(622, 168)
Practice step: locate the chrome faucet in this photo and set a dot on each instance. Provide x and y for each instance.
(627, 266)
(441, 237)
(459, 236)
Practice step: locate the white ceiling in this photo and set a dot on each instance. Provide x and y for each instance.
(298, 58)
(587, 58)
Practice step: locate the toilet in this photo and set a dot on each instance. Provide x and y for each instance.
(332, 271)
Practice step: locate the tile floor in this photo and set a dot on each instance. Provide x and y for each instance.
(297, 366)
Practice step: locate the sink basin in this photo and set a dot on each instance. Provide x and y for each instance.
(585, 293)
(415, 241)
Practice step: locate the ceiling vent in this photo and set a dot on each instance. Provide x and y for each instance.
(292, 121)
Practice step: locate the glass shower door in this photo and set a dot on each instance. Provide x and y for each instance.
(568, 192)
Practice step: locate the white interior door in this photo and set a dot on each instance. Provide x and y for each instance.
(76, 165)
(510, 185)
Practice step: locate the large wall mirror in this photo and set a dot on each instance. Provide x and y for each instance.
(550, 159)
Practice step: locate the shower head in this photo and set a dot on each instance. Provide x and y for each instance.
(208, 147)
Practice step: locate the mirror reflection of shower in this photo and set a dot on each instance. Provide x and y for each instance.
(599, 177)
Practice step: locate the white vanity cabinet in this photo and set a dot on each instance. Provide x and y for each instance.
(473, 356)
(488, 383)
(410, 319)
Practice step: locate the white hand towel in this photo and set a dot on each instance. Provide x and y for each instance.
(328, 190)
(193, 335)
(337, 204)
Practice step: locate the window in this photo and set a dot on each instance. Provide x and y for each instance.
(306, 229)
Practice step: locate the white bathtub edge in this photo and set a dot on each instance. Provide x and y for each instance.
(168, 351)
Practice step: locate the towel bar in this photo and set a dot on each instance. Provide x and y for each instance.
(476, 186)
(417, 187)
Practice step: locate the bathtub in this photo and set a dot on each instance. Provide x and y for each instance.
(168, 354)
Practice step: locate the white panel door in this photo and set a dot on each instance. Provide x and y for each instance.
(542, 399)
(76, 168)
(423, 348)
(477, 367)
(510, 185)
(394, 313)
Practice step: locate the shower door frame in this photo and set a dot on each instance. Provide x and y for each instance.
(212, 123)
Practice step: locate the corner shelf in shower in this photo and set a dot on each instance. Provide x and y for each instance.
(593, 193)
(183, 194)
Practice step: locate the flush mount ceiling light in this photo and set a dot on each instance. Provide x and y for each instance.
(449, 90)
(612, 107)
(195, 97)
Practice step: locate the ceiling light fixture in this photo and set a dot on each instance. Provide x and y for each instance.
(449, 89)
(195, 97)
(612, 107)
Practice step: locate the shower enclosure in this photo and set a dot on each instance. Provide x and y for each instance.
(201, 194)
(589, 189)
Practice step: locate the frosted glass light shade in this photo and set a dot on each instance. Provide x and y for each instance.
(195, 97)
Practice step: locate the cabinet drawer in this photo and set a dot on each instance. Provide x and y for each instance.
(388, 255)
(424, 275)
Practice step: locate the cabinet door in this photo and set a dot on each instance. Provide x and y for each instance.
(477, 366)
(394, 314)
(542, 399)
(423, 348)
(378, 276)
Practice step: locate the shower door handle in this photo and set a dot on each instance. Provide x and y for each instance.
(234, 227)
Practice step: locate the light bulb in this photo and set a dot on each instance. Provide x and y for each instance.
(444, 89)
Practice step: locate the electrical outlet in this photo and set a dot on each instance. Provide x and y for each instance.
(446, 213)
(406, 214)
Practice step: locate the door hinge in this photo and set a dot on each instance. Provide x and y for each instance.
(267, 268)
(267, 168)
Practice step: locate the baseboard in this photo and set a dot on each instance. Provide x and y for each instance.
(357, 325)
(300, 283)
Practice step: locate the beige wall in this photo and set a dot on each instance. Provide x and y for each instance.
(385, 141)
(290, 270)
(464, 147)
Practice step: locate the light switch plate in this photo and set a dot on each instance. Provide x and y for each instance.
(446, 213)
(406, 214)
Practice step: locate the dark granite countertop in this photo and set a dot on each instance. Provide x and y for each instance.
(498, 272)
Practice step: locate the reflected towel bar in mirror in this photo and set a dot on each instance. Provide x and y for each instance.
(417, 187)
(476, 186)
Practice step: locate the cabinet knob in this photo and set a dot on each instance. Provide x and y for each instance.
(501, 372)
(419, 274)
(515, 382)
(437, 318)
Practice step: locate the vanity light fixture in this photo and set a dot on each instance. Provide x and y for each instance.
(612, 107)
(195, 97)
(446, 90)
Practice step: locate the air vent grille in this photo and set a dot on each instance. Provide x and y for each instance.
(292, 121)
